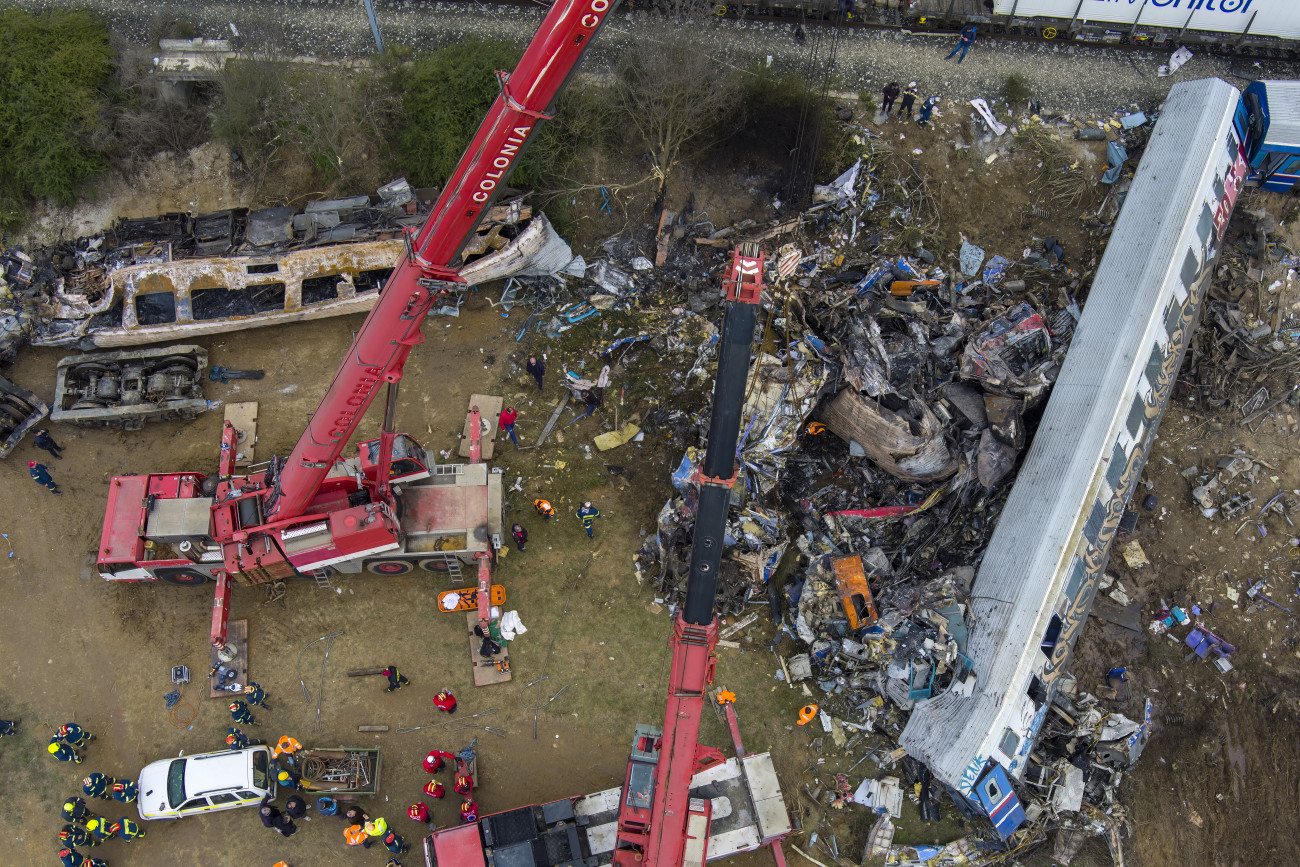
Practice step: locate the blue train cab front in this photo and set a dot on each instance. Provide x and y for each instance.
(1273, 109)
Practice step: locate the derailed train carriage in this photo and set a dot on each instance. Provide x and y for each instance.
(1036, 584)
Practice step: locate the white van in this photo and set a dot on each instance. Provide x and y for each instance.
(204, 783)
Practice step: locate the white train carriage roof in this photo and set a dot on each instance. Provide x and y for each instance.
(1034, 567)
(1280, 18)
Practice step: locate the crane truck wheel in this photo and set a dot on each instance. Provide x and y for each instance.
(182, 577)
(389, 567)
(433, 564)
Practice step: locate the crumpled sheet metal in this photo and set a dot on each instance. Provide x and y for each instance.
(1013, 352)
(888, 439)
(780, 398)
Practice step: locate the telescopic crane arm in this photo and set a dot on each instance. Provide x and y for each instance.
(695, 632)
(392, 329)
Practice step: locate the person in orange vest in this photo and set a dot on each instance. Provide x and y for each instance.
(468, 812)
(445, 701)
(544, 508)
(433, 761)
(435, 789)
(356, 836)
(286, 746)
(464, 784)
(807, 714)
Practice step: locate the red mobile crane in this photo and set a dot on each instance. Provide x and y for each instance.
(680, 803)
(313, 511)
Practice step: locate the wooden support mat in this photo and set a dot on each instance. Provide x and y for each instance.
(236, 637)
(485, 672)
(489, 408)
(244, 417)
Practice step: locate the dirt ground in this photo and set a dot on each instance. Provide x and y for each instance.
(86, 650)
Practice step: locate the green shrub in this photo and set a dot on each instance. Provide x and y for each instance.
(1015, 87)
(446, 95)
(53, 70)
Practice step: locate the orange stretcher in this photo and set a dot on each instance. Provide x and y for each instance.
(466, 598)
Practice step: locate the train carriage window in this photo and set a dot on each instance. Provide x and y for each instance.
(219, 303)
(368, 280)
(156, 308)
(1010, 741)
(267, 268)
(318, 289)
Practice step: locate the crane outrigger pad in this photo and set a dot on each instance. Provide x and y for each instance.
(244, 417)
(487, 671)
(489, 407)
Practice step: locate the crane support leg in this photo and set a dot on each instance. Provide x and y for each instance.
(734, 725)
(220, 611)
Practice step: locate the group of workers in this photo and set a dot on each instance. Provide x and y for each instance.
(82, 827)
(587, 514)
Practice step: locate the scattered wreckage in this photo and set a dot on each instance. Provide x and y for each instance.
(940, 478)
(179, 276)
(20, 411)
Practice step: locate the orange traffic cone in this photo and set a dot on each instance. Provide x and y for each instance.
(807, 713)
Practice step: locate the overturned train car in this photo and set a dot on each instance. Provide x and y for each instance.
(1037, 582)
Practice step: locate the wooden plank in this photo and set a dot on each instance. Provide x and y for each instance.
(244, 417)
(555, 416)
(236, 637)
(485, 672)
(466, 598)
(364, 672)
(489, 407)
(1128, 617)
(372, 728)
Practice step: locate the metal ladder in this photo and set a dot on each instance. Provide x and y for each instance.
(453, 566)
(322, 579)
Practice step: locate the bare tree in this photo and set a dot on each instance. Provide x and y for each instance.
(674, 94)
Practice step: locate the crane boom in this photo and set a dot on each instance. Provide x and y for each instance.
(662, 841)
(392, 329)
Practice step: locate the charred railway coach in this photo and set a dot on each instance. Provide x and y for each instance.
(1255, 27)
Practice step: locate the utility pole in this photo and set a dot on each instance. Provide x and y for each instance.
(374, 26)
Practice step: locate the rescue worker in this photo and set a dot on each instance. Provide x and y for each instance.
(354, 815)
(396, 680)
(396, 844)
(71, 857)
(63, 752)
(507, 423)
(268, 813)
(418, 812)
(296, 807)
(588, 515)
(468, 812)
(256, 695)
(74, 835)
(100, 830)
(42, 440)
(392, 862)
(41, 476)
(445, 701)
(433, 761)
(127, 829)
(520, 536)
(74, 810)
(286, 746)
(284, 825)
(94, 862)
(124, 791)
(97, 786)
(237, 740)
(239, 713)
(909, 99)
(544, 508)
(355, 835)
(377, 828)
(74, 735)
(289, 780)
(463, 785)
(9, 727)
(435, 790)
(537, 369)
